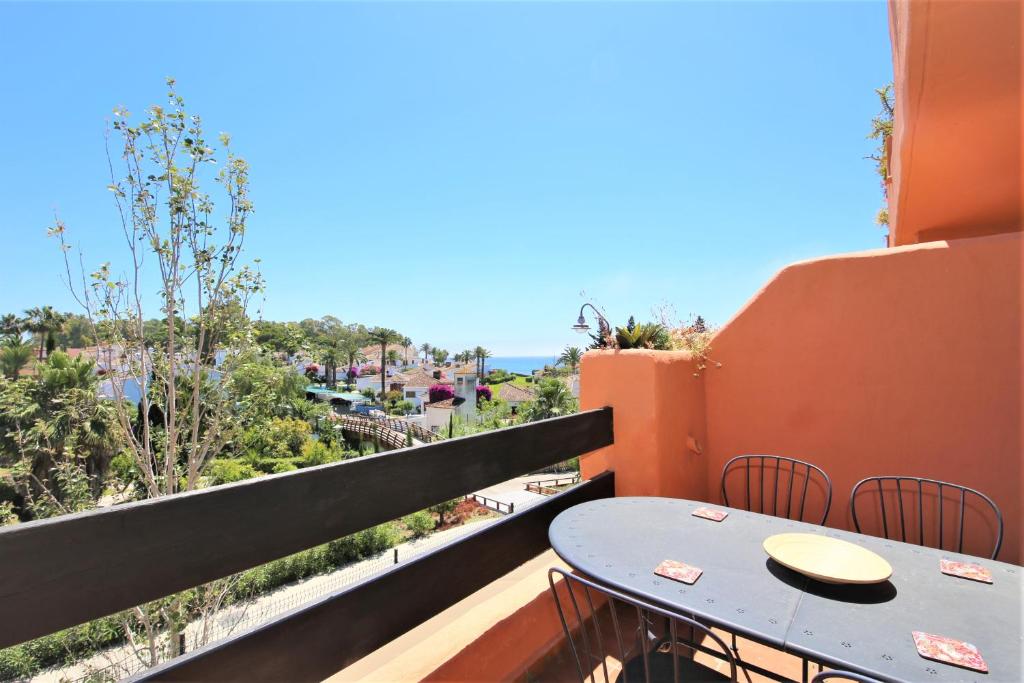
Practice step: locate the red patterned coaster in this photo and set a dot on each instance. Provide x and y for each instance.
(949, 651)
(966, 570)
(708, 513)
(678, 571)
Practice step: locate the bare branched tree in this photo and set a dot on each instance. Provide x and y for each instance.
(173, 415)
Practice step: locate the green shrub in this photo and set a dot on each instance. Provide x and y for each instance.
(284, 466)
(317, 453)
(63, 647)
(377, 539)
(281, 437)
(343, 551)
(419, 523)
(322, 558)
(9, 492)
(227, 471)
(272, 465)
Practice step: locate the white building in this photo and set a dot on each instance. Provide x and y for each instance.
(417, 385)
(438, 414)
(465, 388)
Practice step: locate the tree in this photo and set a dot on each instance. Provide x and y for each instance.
(14, 355)
(571, 356)
(179, 240)
(442, 509)
(553, 399)
(426, 349)
(881, 130)
(392, 357)
(43, 321)
(58, 418)
(352, 351)
(439, 355)
(11, 325)
(383, 336)
(406, 345)
(329, 356)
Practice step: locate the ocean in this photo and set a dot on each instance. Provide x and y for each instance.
(524, 365)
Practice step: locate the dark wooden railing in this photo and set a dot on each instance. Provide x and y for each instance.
(63, 571)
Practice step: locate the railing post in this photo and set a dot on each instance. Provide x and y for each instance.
(511, 508)
(396, 555)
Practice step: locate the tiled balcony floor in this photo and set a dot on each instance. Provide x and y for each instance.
(560, 666)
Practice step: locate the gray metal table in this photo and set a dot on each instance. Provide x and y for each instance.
(619, 541)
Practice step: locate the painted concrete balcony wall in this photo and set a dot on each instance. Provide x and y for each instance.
(896, 361)
(956, 153)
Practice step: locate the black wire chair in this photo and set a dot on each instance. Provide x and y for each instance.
(904, 490)
(779, 469)
(824, 676)
(649, 657)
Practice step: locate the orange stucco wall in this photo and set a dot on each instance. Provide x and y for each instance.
(658, 421)
(956, 154)
(896, 361)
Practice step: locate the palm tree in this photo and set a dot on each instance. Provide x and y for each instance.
(43, 321)
(425, 349)
(11, 324)
(481, 355)
(440, 355)
(553, 399)
(352, 350)
(383, 336)
(392, 357)
(14, 354)
(571, 357)
(406, 343)
(330, 360)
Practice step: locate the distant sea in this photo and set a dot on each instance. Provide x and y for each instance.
(524, 365)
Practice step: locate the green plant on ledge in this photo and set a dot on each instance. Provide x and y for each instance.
(641, 336)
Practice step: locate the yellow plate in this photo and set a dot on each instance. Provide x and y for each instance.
(827, 559)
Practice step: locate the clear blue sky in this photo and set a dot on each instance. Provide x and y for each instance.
(506, 157)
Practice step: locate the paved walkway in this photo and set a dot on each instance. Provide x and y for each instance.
(514, 491)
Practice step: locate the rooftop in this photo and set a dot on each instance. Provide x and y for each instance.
(510, 391)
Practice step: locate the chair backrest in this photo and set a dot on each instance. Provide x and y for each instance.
(625, 632)
(778, 486)
(910, 516)
(824, 676)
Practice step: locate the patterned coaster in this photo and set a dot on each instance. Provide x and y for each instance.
(949, 651)
(966, 570)
(678, 571)
(708, 513)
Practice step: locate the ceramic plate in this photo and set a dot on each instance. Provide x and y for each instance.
(827, 559)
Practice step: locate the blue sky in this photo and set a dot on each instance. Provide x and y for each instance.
(504, 158)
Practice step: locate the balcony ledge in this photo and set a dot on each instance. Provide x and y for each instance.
(496, 633)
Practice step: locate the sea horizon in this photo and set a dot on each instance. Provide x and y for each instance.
(524, 365)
